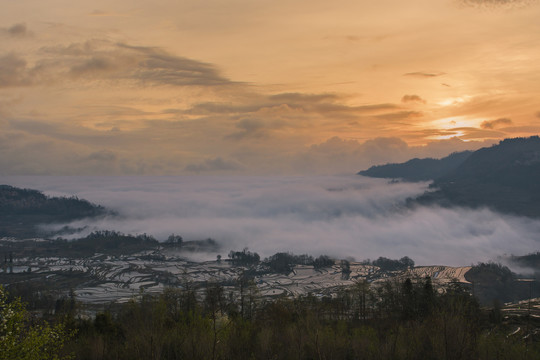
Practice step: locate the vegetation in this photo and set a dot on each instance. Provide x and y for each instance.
(504, 177)
(393, 265)
(418, 169)
(323, 261)
(407, 319)
(174, 240)
(26, 338)
(494, 282)
(103, 242)
(22, 210)
(111, 243)
(281, 262)
(244, 257)
(398, 320)
(284, 262)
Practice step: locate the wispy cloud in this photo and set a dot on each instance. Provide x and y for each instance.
(14, 72)
(16, 30)
(424, 74)
(412, 98)
(101, 59)
(492, 124)
(496, 3)
(214, 165)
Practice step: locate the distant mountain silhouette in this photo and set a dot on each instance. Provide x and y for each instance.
(504, 177)
(418, 169)
(22, 210)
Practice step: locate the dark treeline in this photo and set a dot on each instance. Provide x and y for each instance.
(387, 264)
(284, 262)
(281, 262)
(407, 320)
(496, 282)
(106, 242)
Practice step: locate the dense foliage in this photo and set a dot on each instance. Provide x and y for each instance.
(395, 320)
(281, 262)
(393, 265)
(22, 337)
(495, 282)
(408, 320)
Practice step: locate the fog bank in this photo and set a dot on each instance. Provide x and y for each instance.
(342, 216)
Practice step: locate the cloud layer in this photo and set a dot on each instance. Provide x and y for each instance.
(340, 216)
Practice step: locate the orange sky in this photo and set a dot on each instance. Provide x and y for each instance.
(260, 86)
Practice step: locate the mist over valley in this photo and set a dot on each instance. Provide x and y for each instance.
(341, 216)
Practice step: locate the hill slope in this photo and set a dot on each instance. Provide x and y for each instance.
(504, 177)
(418, 169)
(22, 210)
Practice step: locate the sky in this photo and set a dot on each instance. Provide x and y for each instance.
(257, 87)
(346, 216)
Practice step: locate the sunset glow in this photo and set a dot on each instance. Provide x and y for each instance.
(260, 87)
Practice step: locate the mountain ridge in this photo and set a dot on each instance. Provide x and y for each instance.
(504, 177)
(23, 210)
(418, 169)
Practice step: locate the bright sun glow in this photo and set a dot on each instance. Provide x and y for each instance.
(456, 122)
(454, 100)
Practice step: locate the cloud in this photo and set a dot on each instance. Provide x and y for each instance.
(303, 98)
(338, 155)
(469, 133)
(105, 60)
(345, 156)
(17, 30)
(34, 127)
(157, 66)
(13, 71)
(250, 128)
(342, 216)
(225, 108)
(496, 3)
(159, 113)
(400, 115)
(362, 109)
(94, 65)
(492, 124)
(102, 156)
(267, 143)
(212, 165)
(413, 99)
(424, 74)
(291, 103)
(102, 13)
(255, 129)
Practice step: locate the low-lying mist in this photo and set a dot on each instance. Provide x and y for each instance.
(341, 216)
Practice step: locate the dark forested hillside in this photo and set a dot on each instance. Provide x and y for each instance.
(21, 210)
(418, 169)
(504, 177)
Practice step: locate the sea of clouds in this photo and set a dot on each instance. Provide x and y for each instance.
(341, 216)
